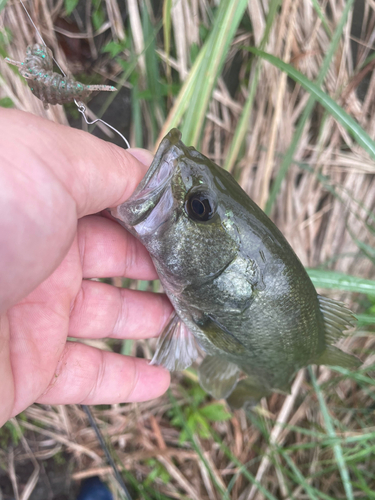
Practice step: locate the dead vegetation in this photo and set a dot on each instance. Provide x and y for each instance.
(324, 207)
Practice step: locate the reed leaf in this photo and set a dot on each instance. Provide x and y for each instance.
(243, 123)
(228, 18)
(332, 279)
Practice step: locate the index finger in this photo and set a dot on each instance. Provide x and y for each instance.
(97, 174)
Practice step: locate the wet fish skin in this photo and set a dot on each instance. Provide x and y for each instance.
(234, 280)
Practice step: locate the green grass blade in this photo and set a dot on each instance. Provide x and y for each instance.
(152, 72)
(367, 61)
(305, 485)
(341, 281)
(131, 74)
(243, 123)
(193, 83)
(319, 95)
(319, 11)
(331, 432)
(3, 4)
(366, 249)
(357, 376)
(126, 347)
(136, 115)
(70, 5)
(187, 429)
(167, 21)
(228, 18)
(365, 319)
(326, 101)
(176, 113)
(242, 467)
(361, 483)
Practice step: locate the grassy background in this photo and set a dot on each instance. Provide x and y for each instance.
(282, 94)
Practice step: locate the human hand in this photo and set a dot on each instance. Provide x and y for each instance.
(53, 179)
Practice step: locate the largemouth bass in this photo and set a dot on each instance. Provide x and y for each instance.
(238, 289)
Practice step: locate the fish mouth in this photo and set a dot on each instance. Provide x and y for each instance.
(153, 186)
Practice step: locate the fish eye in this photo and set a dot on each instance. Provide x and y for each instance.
(200, 206)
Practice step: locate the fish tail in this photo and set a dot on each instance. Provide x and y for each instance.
(333, 356)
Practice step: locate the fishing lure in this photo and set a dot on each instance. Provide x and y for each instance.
(48, 86)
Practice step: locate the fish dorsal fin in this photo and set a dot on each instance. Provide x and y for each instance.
(337, 318)
(176, 348)
(218, 376)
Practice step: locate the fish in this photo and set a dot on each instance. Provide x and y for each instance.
(240, 294)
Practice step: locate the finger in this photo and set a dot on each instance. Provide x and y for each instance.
(85, 375)
(107, 250)
(142, 155)
(102, 310)
(96, 173)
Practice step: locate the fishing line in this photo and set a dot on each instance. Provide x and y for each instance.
(82, 109)
(40, 36)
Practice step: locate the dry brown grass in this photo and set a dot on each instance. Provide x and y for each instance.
(314, 221)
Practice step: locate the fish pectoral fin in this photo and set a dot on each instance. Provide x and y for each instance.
(217, 376)
(247, 394)
(333, 356)
(221, 337)
(176, 348)
(337, 318)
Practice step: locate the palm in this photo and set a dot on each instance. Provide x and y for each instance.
(38, 330)
(45, 367)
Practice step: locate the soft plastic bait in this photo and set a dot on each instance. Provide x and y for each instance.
(47, 85)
